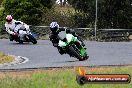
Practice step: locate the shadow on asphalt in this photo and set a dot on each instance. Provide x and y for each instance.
(68, 61)
(25, 43)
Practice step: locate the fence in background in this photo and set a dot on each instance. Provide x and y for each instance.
(103, 35)
(44, 31)
(89, 33)
(115, 35)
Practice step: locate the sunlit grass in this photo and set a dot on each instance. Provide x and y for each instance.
(5, 58)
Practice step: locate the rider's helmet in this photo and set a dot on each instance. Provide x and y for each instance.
(9, 18)
(54, 26)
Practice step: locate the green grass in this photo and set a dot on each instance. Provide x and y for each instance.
(59, 78)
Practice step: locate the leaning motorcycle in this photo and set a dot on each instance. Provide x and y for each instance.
(26, 38)
(71, 48)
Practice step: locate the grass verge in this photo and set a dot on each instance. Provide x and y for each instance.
(5, 58)
(59, 78)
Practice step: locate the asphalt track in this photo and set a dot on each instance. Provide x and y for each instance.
(44, 54)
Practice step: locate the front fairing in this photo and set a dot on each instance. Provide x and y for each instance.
(62, 44)
(69, 38)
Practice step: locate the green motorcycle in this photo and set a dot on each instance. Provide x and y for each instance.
(72, 49)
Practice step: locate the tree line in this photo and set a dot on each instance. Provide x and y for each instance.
(111, 13)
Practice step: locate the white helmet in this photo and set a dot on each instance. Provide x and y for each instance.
(54, 26)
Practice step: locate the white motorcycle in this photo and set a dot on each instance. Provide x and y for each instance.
(26, 38)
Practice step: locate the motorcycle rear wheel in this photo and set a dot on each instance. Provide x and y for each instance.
(32, 39)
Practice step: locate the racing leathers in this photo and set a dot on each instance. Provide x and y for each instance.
(55, 39)
(16, 27)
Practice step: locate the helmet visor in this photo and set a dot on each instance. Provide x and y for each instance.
(54, 29)
(8, 20)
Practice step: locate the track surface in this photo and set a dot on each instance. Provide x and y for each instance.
(45, 55)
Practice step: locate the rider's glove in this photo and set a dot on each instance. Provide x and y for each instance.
(15, 33)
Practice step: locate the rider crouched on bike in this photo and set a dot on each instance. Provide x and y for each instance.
(54, 27)
(14, 27)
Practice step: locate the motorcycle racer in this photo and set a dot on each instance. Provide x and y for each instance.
(54, 37)
(14, 27)
(54, 27)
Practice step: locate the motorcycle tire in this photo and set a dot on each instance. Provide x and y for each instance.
(32, 39)
(75, 53)
(20, 42)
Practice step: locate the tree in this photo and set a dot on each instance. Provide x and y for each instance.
(111, 13)
(1, 1)
(115, 14)
(27, 10)
(1, 19)
(85, 12)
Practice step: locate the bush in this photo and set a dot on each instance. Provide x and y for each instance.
(1, 19)
(63, 17)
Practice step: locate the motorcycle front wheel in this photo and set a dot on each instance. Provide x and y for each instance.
(75, 53)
